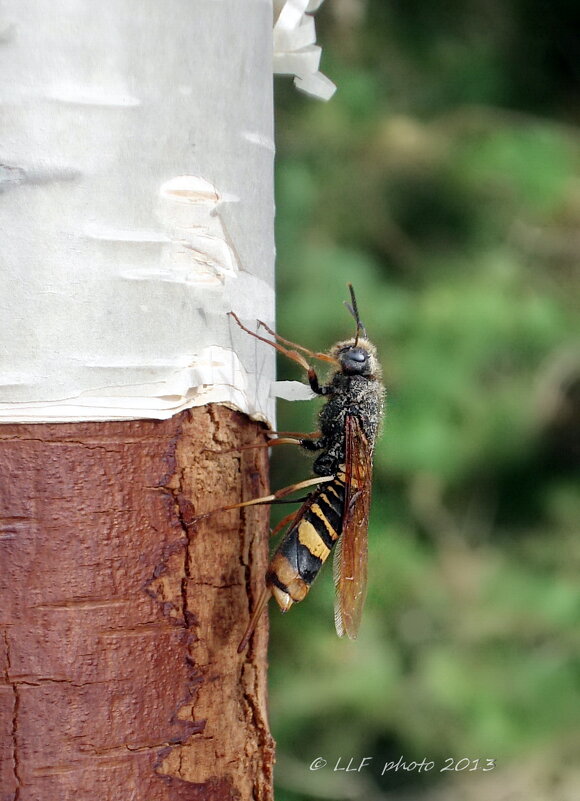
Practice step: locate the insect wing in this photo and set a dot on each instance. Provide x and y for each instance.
(351, 555)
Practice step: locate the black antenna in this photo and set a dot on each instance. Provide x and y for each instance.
(360, 329)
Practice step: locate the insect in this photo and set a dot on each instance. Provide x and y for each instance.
(334, 516)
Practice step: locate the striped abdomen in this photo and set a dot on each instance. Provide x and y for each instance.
(307, 543)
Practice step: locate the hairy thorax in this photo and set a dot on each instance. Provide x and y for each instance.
(356, 395)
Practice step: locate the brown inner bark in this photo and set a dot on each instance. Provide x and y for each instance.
(120, 616)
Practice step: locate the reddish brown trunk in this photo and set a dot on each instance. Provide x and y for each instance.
(120, 619)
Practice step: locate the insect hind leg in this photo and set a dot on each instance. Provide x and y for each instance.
(257, 613)
(267, 499)
(285, 521)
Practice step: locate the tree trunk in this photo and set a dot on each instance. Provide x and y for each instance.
(136, 211)
(121, 615)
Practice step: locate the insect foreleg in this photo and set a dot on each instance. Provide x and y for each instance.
(315, 385)
(324, 357)
(292, 354)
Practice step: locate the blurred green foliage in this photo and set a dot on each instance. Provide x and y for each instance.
(442, 180)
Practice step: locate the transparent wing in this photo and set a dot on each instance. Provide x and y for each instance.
(351, 554)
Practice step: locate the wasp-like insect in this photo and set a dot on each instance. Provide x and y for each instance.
(335, 514)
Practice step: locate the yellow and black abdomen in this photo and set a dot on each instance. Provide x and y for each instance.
(307, 543)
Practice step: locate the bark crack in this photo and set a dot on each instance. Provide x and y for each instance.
(187, 545)
(247, 569)
(250, 680)
(15, 712)
(46, 680)
(62, 443)
(265, 744)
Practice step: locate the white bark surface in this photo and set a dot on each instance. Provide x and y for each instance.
(136, 207)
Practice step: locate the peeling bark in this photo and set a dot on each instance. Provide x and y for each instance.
(120, 615)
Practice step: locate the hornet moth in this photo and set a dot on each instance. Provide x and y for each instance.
(334, 516)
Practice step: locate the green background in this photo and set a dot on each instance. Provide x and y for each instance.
(442, 180)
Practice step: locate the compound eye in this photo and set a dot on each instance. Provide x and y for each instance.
(354, 361)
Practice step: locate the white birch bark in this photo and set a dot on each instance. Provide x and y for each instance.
(136, 207)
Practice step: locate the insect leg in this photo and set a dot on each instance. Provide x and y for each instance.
(281, 493)
(273, 498)
(275, 441)
(284, 522)
(315, 384)
(300, 434)
(292, 354)
(269, 444)
(323, 357)
(296, 438)
(260, 606)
